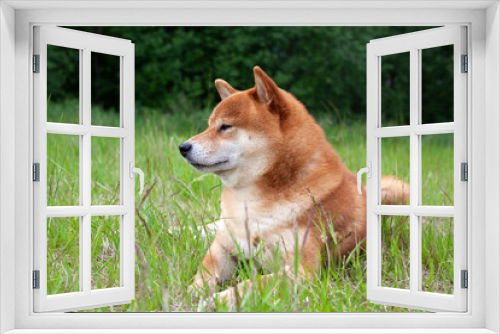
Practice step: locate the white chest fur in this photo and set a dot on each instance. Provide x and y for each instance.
(257, 227)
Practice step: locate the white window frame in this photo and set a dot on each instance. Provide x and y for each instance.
(413, 44)
(16, 214)
(85, 44)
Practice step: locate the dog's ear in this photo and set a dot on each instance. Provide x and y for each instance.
(265, 89)
(225, 89)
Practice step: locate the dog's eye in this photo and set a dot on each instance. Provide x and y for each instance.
(224, 127)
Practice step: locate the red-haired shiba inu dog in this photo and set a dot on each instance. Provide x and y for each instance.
(277, 168)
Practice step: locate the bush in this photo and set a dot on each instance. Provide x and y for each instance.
(325, 67)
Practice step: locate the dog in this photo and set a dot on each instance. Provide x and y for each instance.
(283, 184)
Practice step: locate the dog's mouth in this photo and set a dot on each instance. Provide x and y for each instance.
(213, 166)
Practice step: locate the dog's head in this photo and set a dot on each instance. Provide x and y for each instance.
(243, 132)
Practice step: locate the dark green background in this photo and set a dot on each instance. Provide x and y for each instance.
(325, 67)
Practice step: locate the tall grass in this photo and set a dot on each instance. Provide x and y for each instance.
(178, 201)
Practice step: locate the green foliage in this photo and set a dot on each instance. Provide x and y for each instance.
(325, 67)
(395, 89)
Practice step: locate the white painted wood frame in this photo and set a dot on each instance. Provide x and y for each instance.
(17, 19)
(86, 43)
(413, 43)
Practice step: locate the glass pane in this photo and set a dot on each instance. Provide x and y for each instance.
(437, 84)
(395, 171)
(63, 85)
(105, 252)
(437, 254)
(63, 260)
(395, 233)
(63, 166)
(395, 89)
(437, 169)
(105, 171)
(105, 89)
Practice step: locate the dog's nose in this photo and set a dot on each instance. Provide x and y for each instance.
(185, 148)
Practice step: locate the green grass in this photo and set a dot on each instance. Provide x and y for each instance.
(177, 200)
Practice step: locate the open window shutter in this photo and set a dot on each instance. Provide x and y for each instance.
(414, 293)
(85, 217)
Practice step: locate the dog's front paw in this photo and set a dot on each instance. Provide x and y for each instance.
(201, 297)
(206, 304)
(201, 289)
(194, 292)
(209, 304)
(228, 297)
(202, 284)
(199, 282)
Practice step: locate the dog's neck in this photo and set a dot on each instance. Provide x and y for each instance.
(244, 179)
(243, 188)
(252, 186)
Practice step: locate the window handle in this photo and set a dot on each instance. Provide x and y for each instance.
(135, 170)
(368, 171)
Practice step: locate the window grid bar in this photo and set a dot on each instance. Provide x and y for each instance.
(419, 129)
(373, 192)
(66, 211)
(86, 171)
(379, 169)
(421, 210)
(414, 168)
(419, 166)
(127, 278)
(95, 210)
(81, 230)
(419, 255)
(123, 163)
(80, 130)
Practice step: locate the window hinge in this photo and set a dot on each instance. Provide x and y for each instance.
(464, 174)
(465, 279)
(465, 64)
(36, 279)
(36, 63)
(36, 172)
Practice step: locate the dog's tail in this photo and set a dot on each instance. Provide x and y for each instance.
(394, 191)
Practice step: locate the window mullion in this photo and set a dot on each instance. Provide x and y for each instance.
(418, 135)
(414, 170)
(86, 165)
